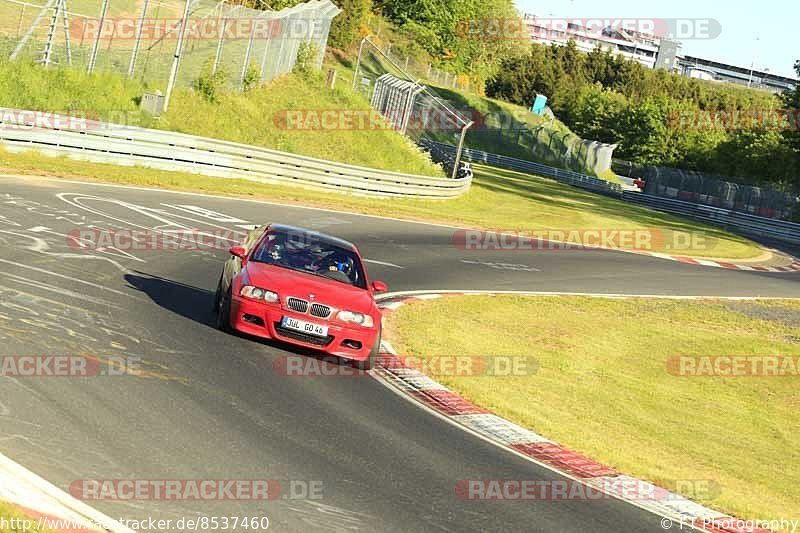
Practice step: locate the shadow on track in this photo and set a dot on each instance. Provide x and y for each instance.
(196, 304)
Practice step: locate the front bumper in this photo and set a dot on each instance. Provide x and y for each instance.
(264, 320)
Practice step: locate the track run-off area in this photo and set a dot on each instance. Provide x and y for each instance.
(200, 404)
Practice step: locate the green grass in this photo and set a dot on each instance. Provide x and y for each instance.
(498, 200)
(248, 118)
(251, 119)
(604, 390)
(10, 512)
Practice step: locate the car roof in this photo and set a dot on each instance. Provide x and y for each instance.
(327, 239)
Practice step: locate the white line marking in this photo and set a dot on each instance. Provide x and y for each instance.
(383, 263)
(41, 246)
(205, 213)
(41, 491)
(294, 206)
(389, 295)
(76, 280)
(501, 266)
(58, 290)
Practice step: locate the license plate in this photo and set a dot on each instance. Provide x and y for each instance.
(305, 327)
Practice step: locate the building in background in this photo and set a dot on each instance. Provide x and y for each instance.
(651, 51)
(759, 79)
(635, 45)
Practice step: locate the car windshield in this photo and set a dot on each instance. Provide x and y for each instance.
(307, 253)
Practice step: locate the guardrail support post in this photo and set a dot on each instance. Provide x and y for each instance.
(178, 51)
(459, 149)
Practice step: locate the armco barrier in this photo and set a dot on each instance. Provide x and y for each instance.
(564, 176)
(165, 150)
(734, 221)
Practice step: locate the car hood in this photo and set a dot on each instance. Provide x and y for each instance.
(287, 282)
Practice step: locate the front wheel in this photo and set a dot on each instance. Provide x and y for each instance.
(372, 359)
(217, 296)
(223, 321)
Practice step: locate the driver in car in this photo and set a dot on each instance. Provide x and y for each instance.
(339, 267)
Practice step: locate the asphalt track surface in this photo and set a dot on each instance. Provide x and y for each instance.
(208, 405)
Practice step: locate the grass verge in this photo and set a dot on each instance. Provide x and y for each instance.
(605, 390)
(257, 117)
(498, 200)
(10, 515)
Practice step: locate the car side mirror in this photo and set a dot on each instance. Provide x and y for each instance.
(238, 251)
(379, 286)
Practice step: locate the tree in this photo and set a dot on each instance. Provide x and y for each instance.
(459, 34)
(791, 100)
(347, 25)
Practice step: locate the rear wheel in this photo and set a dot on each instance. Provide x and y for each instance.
(372, 359)
(224, 311)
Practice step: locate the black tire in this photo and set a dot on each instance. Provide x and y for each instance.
(223, 321)
(217, 296)
(372, 360)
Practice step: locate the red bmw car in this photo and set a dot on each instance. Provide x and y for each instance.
(304, 288)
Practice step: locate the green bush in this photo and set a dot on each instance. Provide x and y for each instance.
(654, 116)
(252, 77)
(211, 83)
(307, 54)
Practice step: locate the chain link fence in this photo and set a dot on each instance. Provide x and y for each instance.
(411, 107)
(166, 43)
(426, 71)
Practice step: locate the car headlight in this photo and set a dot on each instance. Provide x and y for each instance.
(357, 318)
(257, 293)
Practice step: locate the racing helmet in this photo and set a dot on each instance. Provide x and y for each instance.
(277, 252)
(341, 262)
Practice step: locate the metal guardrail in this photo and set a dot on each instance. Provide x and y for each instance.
(735, 221)
(165, 150)
(564, 176)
